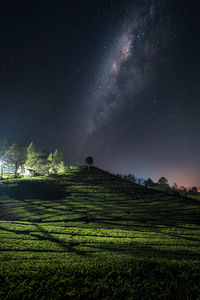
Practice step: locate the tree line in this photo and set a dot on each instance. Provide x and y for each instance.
(162, 184)
(24, 159)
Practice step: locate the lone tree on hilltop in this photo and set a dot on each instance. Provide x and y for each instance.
(89, 161)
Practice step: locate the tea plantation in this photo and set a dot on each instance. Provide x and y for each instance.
(88, 234)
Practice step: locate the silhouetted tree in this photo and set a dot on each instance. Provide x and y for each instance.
(193, 190)
(175, 187)
(119, 175)
(140, 182)
(163, 183)
(162, 180)
(182, 189)
(89, 161)
(131, 177)
(149, 183)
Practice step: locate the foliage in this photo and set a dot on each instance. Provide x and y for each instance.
(163, 183)
(31, 159)
(3, 146)
(37, 161)
(175, 187)
(89, 161)
(104, 279)
(193, 191)
(41, 162)
(130, 177)
(57, 162)
(182, 189)
(15, 156)
(149, 183)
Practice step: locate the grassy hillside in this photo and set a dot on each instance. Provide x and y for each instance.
(89, 234)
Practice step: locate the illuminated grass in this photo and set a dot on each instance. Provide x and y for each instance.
(95, 220)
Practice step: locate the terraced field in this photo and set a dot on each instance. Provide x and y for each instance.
(88, 234)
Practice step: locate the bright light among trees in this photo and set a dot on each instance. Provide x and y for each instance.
(29, 161)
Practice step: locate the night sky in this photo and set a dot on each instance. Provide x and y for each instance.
(118, 80)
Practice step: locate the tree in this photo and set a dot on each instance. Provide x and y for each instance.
(175, 187)
(182, 189)
(42, 164)
(131, 177)
(31, 148)
(51, 162)
(119, 175)
(3, 149)
(163, 183)
(57, 162)
(140, 182)
(62, 163)
(149, 183)
(15, 156)
(89, 161)
(193, 190)
(31, 159)
(37, 161)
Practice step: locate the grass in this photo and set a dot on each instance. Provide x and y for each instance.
(91, 235)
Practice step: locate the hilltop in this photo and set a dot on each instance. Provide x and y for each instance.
(90, 223)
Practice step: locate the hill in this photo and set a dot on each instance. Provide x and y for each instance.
(89, 234)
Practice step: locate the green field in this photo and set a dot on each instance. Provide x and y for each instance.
(91, 235)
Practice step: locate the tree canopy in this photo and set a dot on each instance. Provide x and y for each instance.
(37, 162)
(89, 161)
(15, 156)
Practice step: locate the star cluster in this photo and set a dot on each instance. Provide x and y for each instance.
(128, 66)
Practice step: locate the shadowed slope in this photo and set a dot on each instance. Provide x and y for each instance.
(85, 212)
(84, 233)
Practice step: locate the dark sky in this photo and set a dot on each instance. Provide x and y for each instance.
(119, 80)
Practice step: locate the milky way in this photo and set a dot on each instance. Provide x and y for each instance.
(129, 64)
(115, 79)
